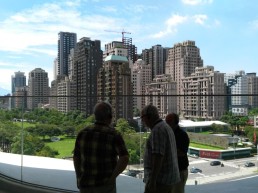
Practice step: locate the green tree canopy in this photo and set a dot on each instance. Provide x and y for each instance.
(123, 127)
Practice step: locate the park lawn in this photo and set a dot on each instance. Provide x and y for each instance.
(202, 146)
(64, 147)
(25, 124)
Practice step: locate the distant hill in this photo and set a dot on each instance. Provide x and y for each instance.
(4, 91)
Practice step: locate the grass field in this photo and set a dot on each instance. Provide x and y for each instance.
(64, 146)
(202, 146)
(25, 124)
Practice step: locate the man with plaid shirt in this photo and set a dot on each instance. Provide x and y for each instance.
(161, 170)
(100, 154)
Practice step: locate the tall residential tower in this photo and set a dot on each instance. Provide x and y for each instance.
(38, 88)
(182, 60)
(66, 41)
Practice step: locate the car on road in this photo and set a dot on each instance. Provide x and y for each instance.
(249, 164)
(215, 163)
(193, 155)
(132, 173)
(195, 170)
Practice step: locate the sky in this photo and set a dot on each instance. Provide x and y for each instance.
(226, 31)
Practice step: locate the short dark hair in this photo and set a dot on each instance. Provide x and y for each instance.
(151, 112)
(174, 117)
(103, 111)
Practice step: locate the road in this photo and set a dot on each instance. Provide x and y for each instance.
(232, 169)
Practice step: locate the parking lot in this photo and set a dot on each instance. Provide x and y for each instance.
(233, 167)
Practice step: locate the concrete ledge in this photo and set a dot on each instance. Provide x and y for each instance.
(9, 185)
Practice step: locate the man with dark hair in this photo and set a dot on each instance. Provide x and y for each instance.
(100, 154)
(160, 160)
(182, 143)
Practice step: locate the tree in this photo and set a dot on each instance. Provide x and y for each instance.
(31, 144)
(46, 151)
(134, 157)
(123, 127)
(253, 111)
(8, 131)
(68, 130)
(218, 128)
(44, 130)
(234, 121)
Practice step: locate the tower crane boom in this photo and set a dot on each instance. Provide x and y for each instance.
(122, 32)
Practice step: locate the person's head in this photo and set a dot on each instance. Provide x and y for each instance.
(172, 120)
(149, 115)
(103, 112)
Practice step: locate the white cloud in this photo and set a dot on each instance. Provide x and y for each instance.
(204, 21)
(140, 8)
(171, 25)
(174, 21)
(200, 19)
(197, 2)
(109, 9)
(40, 25)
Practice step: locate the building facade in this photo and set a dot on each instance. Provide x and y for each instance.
(20, 97)
(66, 41)
(66, 100)
(131, 49)
(53, 91)
(161, 92)
(156, 57)
(115, 87)
(199, 88)
(237, 88)
(18, 82)
(115, 48)
(182, 60)
(87, 62)
(252, 90)
(140, 76)
(38, 88)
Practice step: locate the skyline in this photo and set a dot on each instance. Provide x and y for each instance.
(225, 32)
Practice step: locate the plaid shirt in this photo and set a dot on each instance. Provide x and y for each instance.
(96, 151)
(162, 141)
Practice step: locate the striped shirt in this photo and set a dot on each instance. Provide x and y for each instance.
(162, 141)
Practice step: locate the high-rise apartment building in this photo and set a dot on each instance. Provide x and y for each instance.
(18, 80)
(53, 91)
(156, 57)
(18, 83)
(115, 48)
(141, 75)
(38, 88)
(252, 90)
(66, 100)
(161, 93)
(131, 49)
(20, 97)
(87, 61)
(237, 85)
(66, 41)
(200, 88)
(114, 86)
(182, 60)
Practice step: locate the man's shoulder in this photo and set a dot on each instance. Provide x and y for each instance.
(182, 132)
(161, 125)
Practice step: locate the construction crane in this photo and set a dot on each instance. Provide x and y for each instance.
(122, 32)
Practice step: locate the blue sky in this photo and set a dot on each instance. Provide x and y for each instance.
(226, 31)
